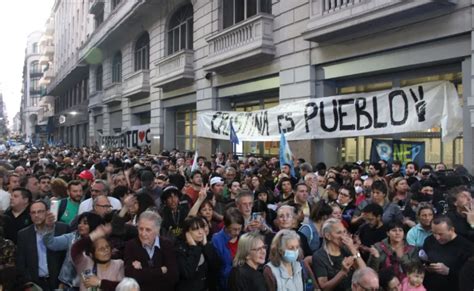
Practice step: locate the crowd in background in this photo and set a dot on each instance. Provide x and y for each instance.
(123, 219)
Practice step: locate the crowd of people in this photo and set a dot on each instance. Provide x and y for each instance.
(123, 219)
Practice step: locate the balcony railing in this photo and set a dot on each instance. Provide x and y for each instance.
(35, 91)
(333, 20)
(49, 50)
(176, 68)
(250, 40)
(113, 94)
(36, 72)
(137, 85)
(95, 100)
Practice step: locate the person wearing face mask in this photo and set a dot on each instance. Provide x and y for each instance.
(284, 271)
(359, 191)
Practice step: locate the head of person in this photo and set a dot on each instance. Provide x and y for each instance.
(45, 184)
(443, 229)
(425, 214)
(395, 232)
(399, 185)
(233, 222)
(375, 169)
(38, 211)
(251, 250)
(147, 178)
(286, 217)
(244, 202)
(20, 170)
(20, 199)
(128, 284)
(358, 185)
(389, 281)
(305, 168)
(262, 195)
(31, 183)
(285, 247)
(416, 273)
(411, 168)
(161, 181)
(86, 177)
(440, 167)
(13, 182)
(459, 198)
(286, 169)
(99, 187)
(321, 180)
(206, 210)
(365, 279)
(396, 166)
(333, 191)
(170, 197)
(195, 227)
(143, 202)
(87, 223)
(346, 195)
(372, 214)
(320, 212)
(149, 224)
(379, 192)
(333, 231)
(101, 205)
(301, 193)
(356, 172)
(336, 210)
(101, 251)
(284, 185)
(425, 172)
(217, 185)
(74, 190)
(230, 174)
(196, 178)
(234, 187)
(120, 180)
(59, 187)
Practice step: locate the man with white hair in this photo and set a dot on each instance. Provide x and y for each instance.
(365, 279)
(150, 258)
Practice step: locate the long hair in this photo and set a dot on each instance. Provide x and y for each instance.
(246, 243)
(279, 244)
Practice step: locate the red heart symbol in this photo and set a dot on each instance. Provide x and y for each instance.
(141, 135)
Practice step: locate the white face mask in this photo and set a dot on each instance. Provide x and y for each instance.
(359, 189)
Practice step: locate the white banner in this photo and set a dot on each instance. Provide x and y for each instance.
(393, 111)
(135, 136)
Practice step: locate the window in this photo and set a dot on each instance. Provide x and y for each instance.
(186, 129)
(115, 3)
(35, 67)
(142, 52)
(34, 86)
(99, 18)
(235, 11)
(180, 33)
(117, 68)
(34, 48)
(98, 78)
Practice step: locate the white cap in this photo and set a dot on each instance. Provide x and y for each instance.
(216, 180)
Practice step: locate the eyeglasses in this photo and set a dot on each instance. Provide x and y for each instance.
(282, 216)
(38, 212)
(104, 206)
(344, 194)
(368, 289)
(260, 249)
(95, 190)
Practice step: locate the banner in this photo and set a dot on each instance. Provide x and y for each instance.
(404, 151)
(135, 136)
(393, 111)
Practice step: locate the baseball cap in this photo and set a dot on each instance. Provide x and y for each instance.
(216, 180)
(87, 175)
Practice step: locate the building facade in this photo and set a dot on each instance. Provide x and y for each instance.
(158, 63)
(31, 89)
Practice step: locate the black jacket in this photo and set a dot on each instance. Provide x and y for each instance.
(195, 276)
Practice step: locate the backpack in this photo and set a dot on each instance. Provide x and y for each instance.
(62, 207)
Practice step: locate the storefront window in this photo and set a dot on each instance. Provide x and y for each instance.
(451, 153)
(186, 129)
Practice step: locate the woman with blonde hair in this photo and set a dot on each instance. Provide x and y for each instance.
(250, 255)
(284, 271)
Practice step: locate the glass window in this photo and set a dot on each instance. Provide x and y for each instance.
(117, 68)
(115, 3)
(235, 11)
(142, 52)
(180, 33)
(35, 67)
(98, 78)
(186, 129)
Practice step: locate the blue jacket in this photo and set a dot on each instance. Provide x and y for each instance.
(68, 274)
(220, 241)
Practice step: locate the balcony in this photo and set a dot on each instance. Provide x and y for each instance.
(48, 50)
(36, 72)
(137, 85)
(44, 60)
(250, 41)
(35, 92)
(174, 70)
(96, 6)
(95, 100)
(338, 20)
(113, 94)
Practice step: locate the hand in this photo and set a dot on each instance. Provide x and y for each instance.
(439, 268)
(164, 270)
(408, 222)
(129, 201)
(189, 239)
(469, 216)
(356, 240)
(204, 241)
(50, 220)
(347, 241)
(347, 264)
(203, 193)
(92, 281)
(374, 252)
(137, 265)
(254, 225)
(101, 231)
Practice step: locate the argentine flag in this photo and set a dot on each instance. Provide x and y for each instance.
(286, 156)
